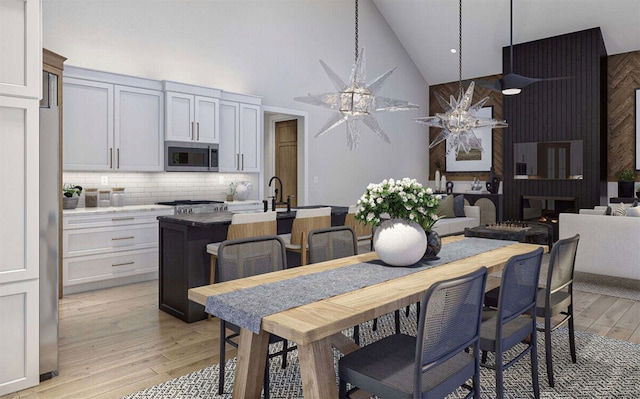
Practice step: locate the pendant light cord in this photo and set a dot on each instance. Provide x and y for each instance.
(459, 50)
(511, 35)
(356, 31)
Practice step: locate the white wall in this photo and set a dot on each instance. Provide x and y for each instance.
(269, 48)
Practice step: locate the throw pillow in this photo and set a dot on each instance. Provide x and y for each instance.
(458, 206)
(635, 203)
(608, 211)
(621, 210)
(445, 209)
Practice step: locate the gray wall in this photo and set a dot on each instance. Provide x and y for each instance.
(268, 48)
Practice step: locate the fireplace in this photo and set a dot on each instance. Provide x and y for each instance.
(546, 209)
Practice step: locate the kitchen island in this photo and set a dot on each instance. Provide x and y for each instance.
(184, 261)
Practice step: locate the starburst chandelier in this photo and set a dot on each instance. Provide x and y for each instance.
(459, 118)
(355, 100)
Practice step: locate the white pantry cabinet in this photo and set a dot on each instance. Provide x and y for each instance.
(20, 91)
(114, 246)
(21, 59)
(191, 113)
(240, 134)
(112, 122)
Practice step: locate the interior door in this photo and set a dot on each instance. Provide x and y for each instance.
(287, 158)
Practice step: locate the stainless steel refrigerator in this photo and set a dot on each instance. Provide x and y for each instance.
(49, 221)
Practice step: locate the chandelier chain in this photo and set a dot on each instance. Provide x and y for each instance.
(356, 30)
(460, 49)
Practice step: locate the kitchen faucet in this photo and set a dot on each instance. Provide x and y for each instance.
(280, 202)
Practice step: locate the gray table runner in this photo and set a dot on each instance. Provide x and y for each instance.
(246, 307)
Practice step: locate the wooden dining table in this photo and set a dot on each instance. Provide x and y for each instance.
(317, 327)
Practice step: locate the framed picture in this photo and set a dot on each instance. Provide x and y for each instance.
(475, 160)
(637, 129)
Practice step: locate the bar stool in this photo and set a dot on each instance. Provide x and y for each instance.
(305, 221)
(363, 231)
(243, 225)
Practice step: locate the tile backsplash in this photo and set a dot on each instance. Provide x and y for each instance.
(149, 188)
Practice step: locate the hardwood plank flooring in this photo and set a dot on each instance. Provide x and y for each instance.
(116, 341)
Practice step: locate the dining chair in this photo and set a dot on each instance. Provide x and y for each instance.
(241, 258)
(305, 221)
(434, 363)
(513, 323)
(333, 243)
(364, 232)
(557, 297)
(243, 225)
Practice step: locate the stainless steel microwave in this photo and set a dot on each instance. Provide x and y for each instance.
(190, 157)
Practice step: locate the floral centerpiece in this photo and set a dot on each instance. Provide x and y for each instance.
(411, 207)
(400, 199)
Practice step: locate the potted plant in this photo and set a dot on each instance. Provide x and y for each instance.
(70, 195)
(413, 212)
(626, 180)
(232, 191)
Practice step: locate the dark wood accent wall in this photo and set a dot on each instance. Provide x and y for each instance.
(570, 109)
(437, 154)
(623, 80)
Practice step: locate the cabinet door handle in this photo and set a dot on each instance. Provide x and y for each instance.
(192, 133)
(123, 264)
(242, 162)
(118, 158)
(122, 238)
(110, 158)
(198, 129)
(237, 161)
(121, 219)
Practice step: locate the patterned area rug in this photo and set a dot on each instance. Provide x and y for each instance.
(606, 368)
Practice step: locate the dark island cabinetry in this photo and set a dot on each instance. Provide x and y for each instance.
(184, 264)
(184, 261)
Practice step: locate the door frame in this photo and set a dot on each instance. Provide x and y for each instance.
(279, 114)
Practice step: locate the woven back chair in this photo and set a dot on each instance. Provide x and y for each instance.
(436, 362)
(514, 321)
(557, 297)
(241, 258)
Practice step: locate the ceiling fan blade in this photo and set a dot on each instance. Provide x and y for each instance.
(513, 80)
(492, 84)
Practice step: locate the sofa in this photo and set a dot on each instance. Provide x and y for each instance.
(456, 225)
(609, 245)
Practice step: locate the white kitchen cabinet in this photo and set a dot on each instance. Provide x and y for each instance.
(108, 248)
(112, 122)
(191, 113)
(138, 129)
(88, 125)
(240, 138)
(21, 60)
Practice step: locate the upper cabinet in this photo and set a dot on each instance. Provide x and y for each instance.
(191, 113)
(112, 122)
(21, 61)
(240, 138)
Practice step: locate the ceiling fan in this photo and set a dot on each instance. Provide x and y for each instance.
(512, 83)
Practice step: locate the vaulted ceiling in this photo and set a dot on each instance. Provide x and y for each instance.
(428, 29)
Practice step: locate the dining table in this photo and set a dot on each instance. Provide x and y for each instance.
(316, 327)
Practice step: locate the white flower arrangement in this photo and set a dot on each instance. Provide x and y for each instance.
(401, 199)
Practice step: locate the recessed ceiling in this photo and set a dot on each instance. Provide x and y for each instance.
(428, 29)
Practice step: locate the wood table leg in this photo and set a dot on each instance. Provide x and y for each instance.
(251, 362)
(317, 371)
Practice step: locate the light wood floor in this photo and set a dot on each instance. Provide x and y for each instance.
(114, 342)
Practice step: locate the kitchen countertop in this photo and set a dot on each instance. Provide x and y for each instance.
(222, 218)
(116, 209)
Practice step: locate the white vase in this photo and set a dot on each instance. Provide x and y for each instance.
(437, 180)
(399, 242)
